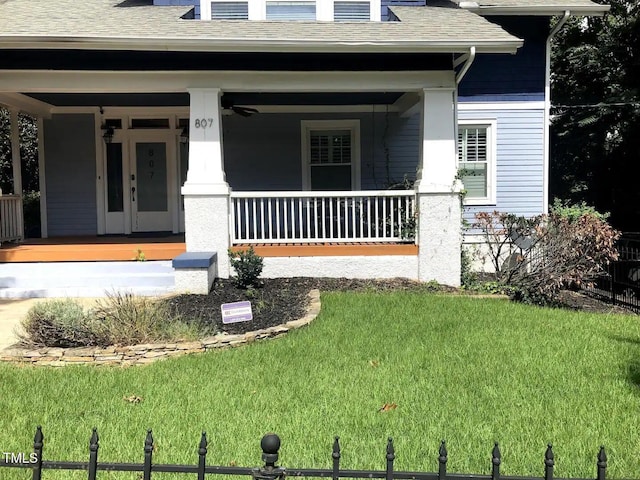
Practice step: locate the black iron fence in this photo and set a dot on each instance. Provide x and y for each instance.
(621, 283)
(270, 445)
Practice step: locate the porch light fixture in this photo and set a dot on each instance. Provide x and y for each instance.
(107, 136)
(184, 135)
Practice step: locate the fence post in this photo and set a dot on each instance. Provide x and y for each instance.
(93, 454)
(202, 456)
(38, 441)
(442, 461)
(336, 458)
(612, 282)
(548, 463)
(391, 455)
(602, 464)
(495, 461)
(148, 452)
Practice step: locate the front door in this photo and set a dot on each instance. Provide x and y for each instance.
(150, 185)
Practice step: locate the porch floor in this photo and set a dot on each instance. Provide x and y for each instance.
(123, 248)
(329, 249)
(92, 249)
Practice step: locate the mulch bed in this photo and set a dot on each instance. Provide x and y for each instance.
(280, 300)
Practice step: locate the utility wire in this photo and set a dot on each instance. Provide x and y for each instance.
(596, 105)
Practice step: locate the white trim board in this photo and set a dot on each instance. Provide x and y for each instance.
(238, 81)
(537, 105)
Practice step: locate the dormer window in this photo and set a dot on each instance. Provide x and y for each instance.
(229, 10)
(291, 10)
(351, 11)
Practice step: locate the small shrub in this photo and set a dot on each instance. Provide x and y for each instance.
(468, 278)
(248, 267)
(61, 323)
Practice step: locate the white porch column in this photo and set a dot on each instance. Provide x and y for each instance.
(438, 190)
(15, 153)
(206, 192)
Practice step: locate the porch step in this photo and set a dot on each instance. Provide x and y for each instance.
(85, 279)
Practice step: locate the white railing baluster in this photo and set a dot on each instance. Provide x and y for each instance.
(255, 220)
(11, 224)
(286, 218)
(278, 218)
(261, 218)
(320, 217)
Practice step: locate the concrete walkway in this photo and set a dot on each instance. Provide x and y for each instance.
(13, 311)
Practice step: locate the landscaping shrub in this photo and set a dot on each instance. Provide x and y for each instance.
(248, 267)
(129, 319)
(61, 323)
(541, 255)
(120, 319)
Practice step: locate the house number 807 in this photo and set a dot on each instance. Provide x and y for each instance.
(204, 122)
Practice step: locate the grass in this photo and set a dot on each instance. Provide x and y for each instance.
(468, 370)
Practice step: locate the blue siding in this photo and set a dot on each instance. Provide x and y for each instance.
(263, 152)
(520, 160)
(70, 173)
(519, 77)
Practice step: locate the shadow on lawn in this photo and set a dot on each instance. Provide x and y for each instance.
(633, 369)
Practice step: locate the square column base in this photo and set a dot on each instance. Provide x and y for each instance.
(207, 227)
(440, 237)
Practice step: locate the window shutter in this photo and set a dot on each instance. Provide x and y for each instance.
(330, 147)
(291, 11)
(229, 10)
(351, 11)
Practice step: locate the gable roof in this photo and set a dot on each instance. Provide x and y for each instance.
(533, 7)
(135, 25)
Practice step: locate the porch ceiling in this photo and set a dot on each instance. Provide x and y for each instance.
(236, 98)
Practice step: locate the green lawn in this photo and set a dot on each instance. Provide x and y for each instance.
(471, 371)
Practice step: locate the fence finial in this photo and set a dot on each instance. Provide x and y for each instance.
(270, 445)
(38, 438)
(391, 453)
(442, 461)
(93, 442)
(602, 463)
(549, 458)
(496, 460)
(336, 448)
(148, 442)
(202, 448)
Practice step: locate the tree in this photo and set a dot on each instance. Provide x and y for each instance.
(28, 129)
(595, 134)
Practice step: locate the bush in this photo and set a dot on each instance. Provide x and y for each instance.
(540, 256)
(120, 319)
(129, 319)
(61, 323)
(248, 267)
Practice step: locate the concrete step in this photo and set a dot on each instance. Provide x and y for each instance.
(80, 292)
(85, 279)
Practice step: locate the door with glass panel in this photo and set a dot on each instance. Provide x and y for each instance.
(150, 183)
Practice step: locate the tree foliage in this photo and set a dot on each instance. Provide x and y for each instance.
(595, 134)
(28, 129)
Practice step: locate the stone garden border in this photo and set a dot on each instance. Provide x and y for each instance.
(151, 352)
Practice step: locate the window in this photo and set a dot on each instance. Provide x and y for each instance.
(291, 11)
(331, 154)
(351, 11)
(229, 10)
(476, 161)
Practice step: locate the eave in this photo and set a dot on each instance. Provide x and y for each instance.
(542, 10)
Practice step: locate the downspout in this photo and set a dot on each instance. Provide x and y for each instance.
(547, 109)
(463, 71)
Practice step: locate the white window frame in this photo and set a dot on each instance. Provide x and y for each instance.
(306, 126)
(491, 127)
(324, 9)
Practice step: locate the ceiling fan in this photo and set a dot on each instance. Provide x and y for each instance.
(229, 108)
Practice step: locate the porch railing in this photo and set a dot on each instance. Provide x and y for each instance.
(338, 216)
(11, 219)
